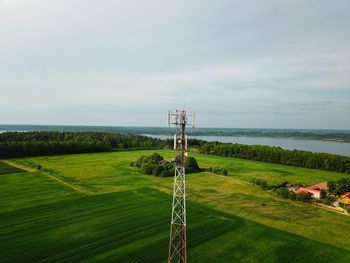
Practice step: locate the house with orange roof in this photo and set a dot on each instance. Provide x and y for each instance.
(345, 199)
(314, 190)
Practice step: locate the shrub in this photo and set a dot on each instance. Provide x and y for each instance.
(283, 184)
(323, 193)
(154, 158)
(139, 161)
(331, 186)
(153, 164)
(191, 164)
(218, 170)
(291, 195)
(328, 200)
(283, 191)
(304, 197)
(147, 168)
(257, 181)
(299, 185)
(167, 173)
(157, 170)
(263, 184)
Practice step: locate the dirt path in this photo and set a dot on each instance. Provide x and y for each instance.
(330, 208)
(74, 187)
(19, 166)
(56, 178)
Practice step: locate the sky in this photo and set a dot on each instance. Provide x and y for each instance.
(244, 64)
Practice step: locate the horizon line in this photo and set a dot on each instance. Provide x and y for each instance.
(165, 126)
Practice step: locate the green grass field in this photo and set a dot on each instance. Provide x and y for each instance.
(96, 208)
(7, 169)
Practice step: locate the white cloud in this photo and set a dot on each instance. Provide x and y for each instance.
(247, 62)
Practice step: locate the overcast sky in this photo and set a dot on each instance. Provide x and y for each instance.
(267, 64)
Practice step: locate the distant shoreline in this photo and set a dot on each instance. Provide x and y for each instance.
(341, 136)
(305, 140)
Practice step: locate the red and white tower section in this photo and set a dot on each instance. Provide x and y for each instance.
(177, 244)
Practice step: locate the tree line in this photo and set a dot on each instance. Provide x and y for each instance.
(322, 161)
(33, 143)
(18, 144)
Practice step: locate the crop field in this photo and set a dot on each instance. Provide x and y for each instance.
(8, 169)
(96, 208)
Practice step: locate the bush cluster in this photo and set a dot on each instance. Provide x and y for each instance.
(281, 190)
(218, 170)
(262, 183)
(156, 165)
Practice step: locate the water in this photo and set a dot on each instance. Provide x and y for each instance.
(340, 148)
(289, 143)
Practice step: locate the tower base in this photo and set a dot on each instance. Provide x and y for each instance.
(177, 244)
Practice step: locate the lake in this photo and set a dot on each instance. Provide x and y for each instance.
(340, 148)
(289, 143)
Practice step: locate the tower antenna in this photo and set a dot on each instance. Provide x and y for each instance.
(177, 244)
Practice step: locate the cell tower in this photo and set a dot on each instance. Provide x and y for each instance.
(177, 244)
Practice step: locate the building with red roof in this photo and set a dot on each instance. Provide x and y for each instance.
(314, 190)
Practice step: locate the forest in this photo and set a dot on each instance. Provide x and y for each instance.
(18, 144)
(322, 161)
(21, 144)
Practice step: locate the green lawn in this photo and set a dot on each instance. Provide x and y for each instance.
(96, 208)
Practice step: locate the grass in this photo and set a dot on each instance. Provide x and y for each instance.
(20, 191)
(272, 173)
(123, 216)
(8, 169)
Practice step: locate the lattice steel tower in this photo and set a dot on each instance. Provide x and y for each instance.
(177, 244)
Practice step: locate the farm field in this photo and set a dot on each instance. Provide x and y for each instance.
(7, 169)
(96, 208)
